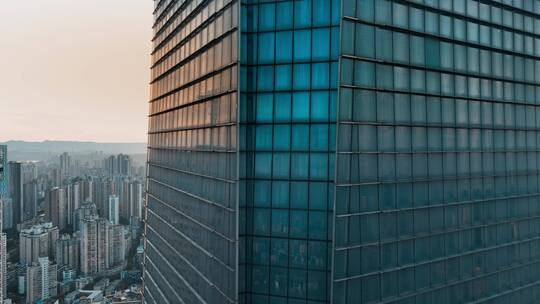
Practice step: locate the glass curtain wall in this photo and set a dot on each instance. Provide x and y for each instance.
(191, 215)
(437, 195)
(289, 58)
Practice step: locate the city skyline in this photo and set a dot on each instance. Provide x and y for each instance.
(73, 68)
(72, 222)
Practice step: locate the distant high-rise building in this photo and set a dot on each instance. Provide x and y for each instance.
(86, 211)
(88, 190)
(55, 177)
(30, 200)
(124, 164)
(117, 245)
(3, 266)
(23, 190)
(5, 201)
(113, 214)
(3, 171)
(101, 192)
(7, 213)
(68, 252)
(16, 191)
(136, 199)
(3, 257)
(65, 165)
(37, 241)
(94, 236)
(118, 165)
(41, 281)
(57, 207)
(74, 201)
(110, 165)
(344, 151)
(124, 197)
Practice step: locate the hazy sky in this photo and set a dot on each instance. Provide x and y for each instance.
(74, 69)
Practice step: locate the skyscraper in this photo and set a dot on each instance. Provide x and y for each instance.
(15, 191)
(3, 244)
(87, 210)
(316, 151)
(30, 199)
(114, 210)
(3, 240)
(118, 165)
(65, 166)
(41, 279)
(117, 245)
(3, 266)
(68, 252)
(74, 201)
(56, 203)
(136, 199)
(22, 190)
(94, 245)
(36, 242)
(7, 213)
(3, 171)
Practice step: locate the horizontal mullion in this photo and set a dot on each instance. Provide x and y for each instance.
(433, 179)
(158, 165)
(439, 95)
(439, 70)
(195, 81)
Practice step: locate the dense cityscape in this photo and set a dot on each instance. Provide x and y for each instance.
(72, 229)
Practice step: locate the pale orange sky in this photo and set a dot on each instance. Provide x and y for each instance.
(74, 69)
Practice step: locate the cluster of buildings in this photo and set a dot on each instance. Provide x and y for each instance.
(71, 229)
(52, 263)
(3, 237)
(58, 192)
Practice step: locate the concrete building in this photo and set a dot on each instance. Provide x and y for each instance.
(92, 297)
(102, 190)
(88, 189)
(3, 171)
(65, 165)
(36, 242)
(16, 191)
(22, 190)
(41, 281)
(113, 213)
(124, 196)
(68, 252)
(118, 165)
(7, 213)
(94, 245)
(3, 266)
(57, 207)
(30, 201)
(117, 245)
(136, 190)
(69, 275)
(3, 257)
(74, 201)
(85, 211)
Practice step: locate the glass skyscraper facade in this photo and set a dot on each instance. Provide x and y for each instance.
(344, 151)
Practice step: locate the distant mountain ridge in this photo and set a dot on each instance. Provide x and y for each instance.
(52, 146)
